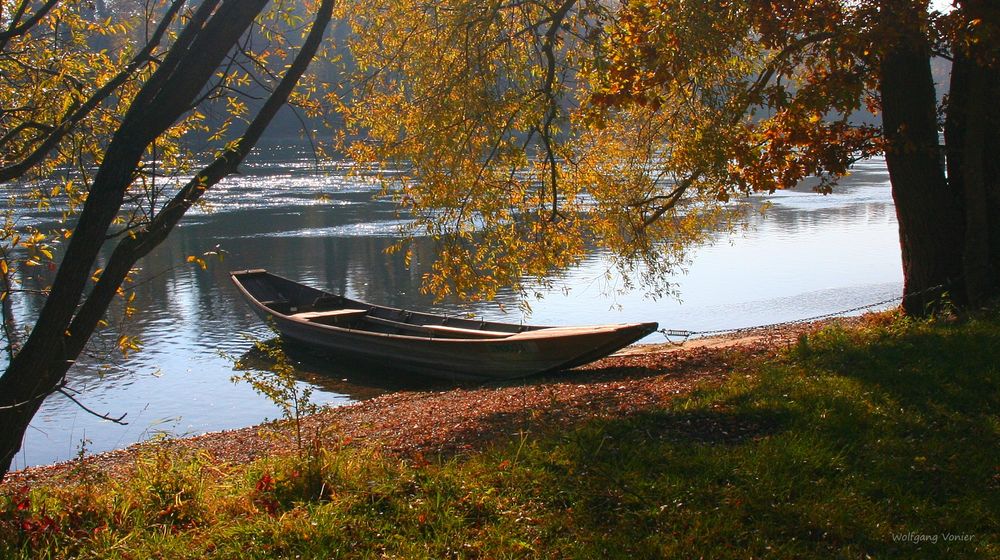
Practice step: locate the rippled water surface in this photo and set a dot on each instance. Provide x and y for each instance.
(807, 255)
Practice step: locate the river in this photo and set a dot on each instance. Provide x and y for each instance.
(807, 255)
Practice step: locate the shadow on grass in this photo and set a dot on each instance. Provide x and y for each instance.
(949, 367)
(857, 444)
(703, 426)
(874, 443)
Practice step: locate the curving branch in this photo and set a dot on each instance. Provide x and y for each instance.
(18, 28)
(12, 133)
(670, 200)
(74, 116)
(107, 416)
(133, 247)
(780, 59)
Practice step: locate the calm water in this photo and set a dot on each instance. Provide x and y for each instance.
(809, 255)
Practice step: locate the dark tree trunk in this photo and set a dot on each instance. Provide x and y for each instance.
(40, 366)
(13, 421)
(930, 222)
(972, 137)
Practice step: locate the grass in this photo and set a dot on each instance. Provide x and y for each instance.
(878, 441)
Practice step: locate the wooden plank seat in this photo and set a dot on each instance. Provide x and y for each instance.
(471, 333)
(317, 316)
(439, 329)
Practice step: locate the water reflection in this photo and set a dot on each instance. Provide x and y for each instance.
(333, 374)
(807, 255)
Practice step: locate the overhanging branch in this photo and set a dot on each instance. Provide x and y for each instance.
(669, 201)
(74, 116)
(107, 416)
(130, 249)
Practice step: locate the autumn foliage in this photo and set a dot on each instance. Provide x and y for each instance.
(530, 133)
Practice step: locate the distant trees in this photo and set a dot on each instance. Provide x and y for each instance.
(91, 128)
(529, 127)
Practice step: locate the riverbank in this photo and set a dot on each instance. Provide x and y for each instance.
(457, 419)
(877, 437)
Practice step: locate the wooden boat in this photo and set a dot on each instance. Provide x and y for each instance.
(424, 343)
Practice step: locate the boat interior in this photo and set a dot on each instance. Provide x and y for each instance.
(301, 302)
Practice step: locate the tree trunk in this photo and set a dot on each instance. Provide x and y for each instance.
(14, 421)
(972, 138)
(39, 368)
(930, 223)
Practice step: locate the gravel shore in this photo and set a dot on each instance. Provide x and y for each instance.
(466, 418)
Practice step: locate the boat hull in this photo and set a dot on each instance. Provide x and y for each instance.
(521, 352)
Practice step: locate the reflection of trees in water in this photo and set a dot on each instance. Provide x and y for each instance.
(802, 220)
(205, 303)
(295, 241)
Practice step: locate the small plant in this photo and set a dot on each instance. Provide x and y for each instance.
(83, 470)
(279, 384)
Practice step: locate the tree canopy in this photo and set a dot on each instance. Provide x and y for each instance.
(519, 134)
(528, 131)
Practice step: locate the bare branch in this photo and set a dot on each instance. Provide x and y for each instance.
(106, 416)
(23, 404)
(672, 199)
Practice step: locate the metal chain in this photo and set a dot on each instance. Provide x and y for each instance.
(685, 334)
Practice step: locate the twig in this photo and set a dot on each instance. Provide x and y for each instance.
(106, 416)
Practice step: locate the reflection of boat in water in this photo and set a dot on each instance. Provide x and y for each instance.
(423, 343)
(355, 381)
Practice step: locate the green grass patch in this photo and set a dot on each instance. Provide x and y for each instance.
(878, 441)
